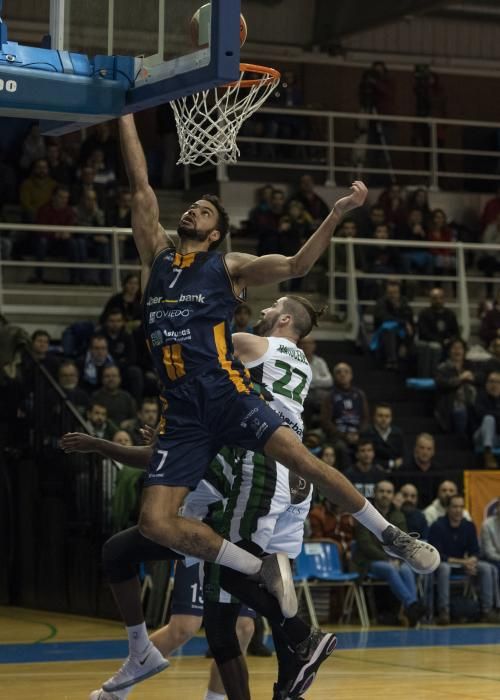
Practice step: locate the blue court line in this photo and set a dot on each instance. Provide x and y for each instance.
(118, 649)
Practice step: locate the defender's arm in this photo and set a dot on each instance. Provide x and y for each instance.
(149, 235)
(248, 347)
(251, 270)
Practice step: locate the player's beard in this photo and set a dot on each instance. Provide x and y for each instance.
(266, 324)
(192, 234)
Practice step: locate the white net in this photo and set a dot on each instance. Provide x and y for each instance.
(208, 122)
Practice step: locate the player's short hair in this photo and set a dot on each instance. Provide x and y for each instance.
(223, 223)
(304, 315)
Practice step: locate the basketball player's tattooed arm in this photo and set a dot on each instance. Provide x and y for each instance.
(251, 270)
(133, 456)
(249, 347)
(149, 235)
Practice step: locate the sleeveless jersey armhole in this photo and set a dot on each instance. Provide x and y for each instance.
(263, 358)
(239, 297)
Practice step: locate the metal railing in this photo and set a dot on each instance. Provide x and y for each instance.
(345, 142)
(463, 280)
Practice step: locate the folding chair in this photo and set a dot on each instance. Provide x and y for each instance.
(319, 564)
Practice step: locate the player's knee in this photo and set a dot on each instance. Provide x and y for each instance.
(245, 628)
(156, 528)
(221, 633)
(183, 628)
(115, 562)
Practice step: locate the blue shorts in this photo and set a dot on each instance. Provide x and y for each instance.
(202, 415)
(187, 596)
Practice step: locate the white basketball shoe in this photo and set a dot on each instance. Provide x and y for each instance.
(136, 669)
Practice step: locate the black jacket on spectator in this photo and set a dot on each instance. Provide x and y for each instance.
(122, 348)
(365, 482)
(490, 325)
(450, 391)
(386, 450)
(437, 326)
(386, 311)
(416, 522)
(132, 311)
(486, 405)
(425, 481)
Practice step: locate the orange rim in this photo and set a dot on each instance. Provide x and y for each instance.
(269, 75)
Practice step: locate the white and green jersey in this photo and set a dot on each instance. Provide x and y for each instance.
(284, 376)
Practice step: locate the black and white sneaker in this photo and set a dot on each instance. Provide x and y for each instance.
(281, 693)
(420, 556)
(309, 655)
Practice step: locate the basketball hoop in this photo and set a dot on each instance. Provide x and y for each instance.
(208, 122)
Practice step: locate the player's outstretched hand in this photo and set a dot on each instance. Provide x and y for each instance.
(148, 434)
(77, 442)
(359, 193)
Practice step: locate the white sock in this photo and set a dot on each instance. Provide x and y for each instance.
(138, 638)
(210, 695)
(237, 558)
(371, 519)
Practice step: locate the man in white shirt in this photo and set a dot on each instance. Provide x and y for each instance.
(438, 506)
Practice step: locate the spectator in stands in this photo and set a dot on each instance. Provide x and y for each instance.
(241, 319)
(59, 169)
(415, 519)
(365, 473)
(105, 176)
(295, 228)
(456, 389)
(490, 538)
(490, 323)
(418, 199)
(101, 138)
(486, 412)
(327, 523)
(369, 555)
(266, 224)
(39, 351)
(148, 414)
(128, 301)
(393, 202)
(119, 403)
(33, 147)
(88, 213)
(377, 218)
(68, 378)
(119, 215)
(379, 260)
(71, 247)
(394, 327)
(437, 509)
(445, 260)
(96, 358)
(456, 540)
(417, 258)
(122, 349)
(263, 197)
(322, 380)
(86, 183)
(493, 364)
(36, 190)
(344, 413)
(387, 439)
(348, 228)
(327, 454)
(437, 326)
(99, 424)
(421, 462)
(489, 263)
(317, 207)
(491, 210)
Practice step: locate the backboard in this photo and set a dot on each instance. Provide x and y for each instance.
(104, 58)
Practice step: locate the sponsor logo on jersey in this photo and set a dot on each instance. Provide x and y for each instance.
(198, 298)
(294, 425)
(180, 336)
(245, 419)
(260, 432)
(156, 338)
(168, 313)
(154, 300)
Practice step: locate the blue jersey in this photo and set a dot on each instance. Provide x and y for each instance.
(189, 304)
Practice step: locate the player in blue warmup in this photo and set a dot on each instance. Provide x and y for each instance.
(190, 294)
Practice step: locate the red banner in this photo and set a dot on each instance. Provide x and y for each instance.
(482, 493)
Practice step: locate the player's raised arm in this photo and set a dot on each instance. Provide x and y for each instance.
(249, 347)
(149, 235)
(251, 270)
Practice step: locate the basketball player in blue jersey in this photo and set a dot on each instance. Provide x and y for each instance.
(190, 294)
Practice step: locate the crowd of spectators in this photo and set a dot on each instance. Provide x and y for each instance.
(53, 181)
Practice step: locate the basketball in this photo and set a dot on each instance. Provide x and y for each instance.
(199, 28)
